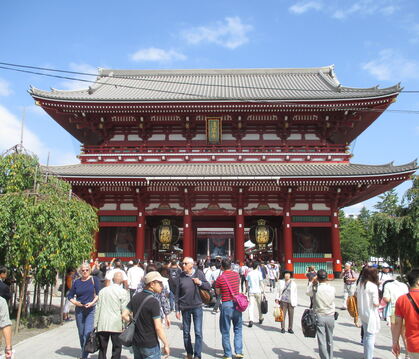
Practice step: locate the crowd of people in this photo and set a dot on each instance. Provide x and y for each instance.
(107, 296)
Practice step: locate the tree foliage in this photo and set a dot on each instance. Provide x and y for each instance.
(42, 225)
(355, 241)
(395, 228)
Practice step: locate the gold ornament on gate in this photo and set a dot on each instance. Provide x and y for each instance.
(167, 234)
(165, 237)
(261, 234)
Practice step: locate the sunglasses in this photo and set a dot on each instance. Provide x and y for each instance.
(84, 270)
(185, 263)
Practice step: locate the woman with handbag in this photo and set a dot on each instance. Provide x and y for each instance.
(84, 295)
(287, 299)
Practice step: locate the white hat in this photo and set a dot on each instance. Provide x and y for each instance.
(385, 265)
(152, 276)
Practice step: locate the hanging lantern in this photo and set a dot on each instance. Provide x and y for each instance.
(261, 234)
(167, 234)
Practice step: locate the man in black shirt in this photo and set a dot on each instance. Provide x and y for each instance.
(148, 327)
(4, 288)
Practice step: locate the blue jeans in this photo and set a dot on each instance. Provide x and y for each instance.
(230, 314)
(85, 323)
(172, 301)
(368, 342)
(146, 353)
(187, 315)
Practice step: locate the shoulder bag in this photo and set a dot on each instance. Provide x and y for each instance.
(127, 336)
(239, 299)
(203, 293)
(309, 320)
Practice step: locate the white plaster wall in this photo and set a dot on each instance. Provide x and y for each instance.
(127, 207)
(117, 138)
(301, 206)
(109, 207)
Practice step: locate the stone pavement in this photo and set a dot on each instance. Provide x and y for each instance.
(260, 341)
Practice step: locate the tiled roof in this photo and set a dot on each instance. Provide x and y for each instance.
(228, 170)
(319, 83)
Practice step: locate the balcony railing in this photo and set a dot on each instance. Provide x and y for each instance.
(143, 149)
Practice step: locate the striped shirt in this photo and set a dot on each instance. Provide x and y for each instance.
(233, 279)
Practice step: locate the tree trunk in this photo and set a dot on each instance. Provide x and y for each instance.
(35, 290)
(15, 286)
(62, 298)
(38, 298)
(22, 297)
(44, 308)
(50, 301)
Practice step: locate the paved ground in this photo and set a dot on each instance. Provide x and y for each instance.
(260, 341)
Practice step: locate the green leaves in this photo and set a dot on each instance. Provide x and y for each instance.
(395, 228)
(48, 229)
(355, 241)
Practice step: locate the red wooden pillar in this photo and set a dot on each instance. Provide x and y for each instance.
(335, 244)
(287, 237)
(239, 252)
(140, 238)
(280, 247)
(187, 234)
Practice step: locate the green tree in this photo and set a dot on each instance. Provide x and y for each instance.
(395, 230)
(354, 239)
(389, 203)
(43, 227)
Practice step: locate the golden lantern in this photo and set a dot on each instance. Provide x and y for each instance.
(167, 234)
(261, 234)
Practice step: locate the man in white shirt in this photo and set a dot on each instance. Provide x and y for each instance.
(254, 281)
(111, 273)
(135, 276)
(324, 305)
(384, 276)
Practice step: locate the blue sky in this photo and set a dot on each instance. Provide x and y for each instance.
(370, 42)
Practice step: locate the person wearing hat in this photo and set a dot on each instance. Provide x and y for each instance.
(384, 276)
(323, 295)
(287, 298)
(148, 327)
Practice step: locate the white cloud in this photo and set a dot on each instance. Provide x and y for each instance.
(157, 55)
(10, 136)
(230, 33)
(340, 10)
(302, 7)
(391, 65)
(77, 85)
(5, 89)
(353, 210)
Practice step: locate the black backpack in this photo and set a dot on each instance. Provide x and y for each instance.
(309, 323)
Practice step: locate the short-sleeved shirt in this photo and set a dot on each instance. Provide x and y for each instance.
(4, 314)
(145, 333)
(405, 310)
(233, 279)
(84, 290)
(253, 281)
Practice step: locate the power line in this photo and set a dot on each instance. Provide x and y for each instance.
(296, 104)
(173, 82)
